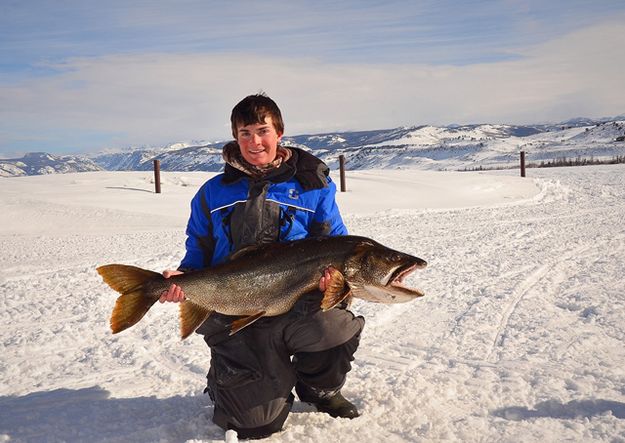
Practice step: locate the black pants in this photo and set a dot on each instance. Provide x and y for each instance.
(252, 373)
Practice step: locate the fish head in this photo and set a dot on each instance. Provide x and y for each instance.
(376, 273)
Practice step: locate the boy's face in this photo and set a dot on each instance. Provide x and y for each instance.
(258, 142)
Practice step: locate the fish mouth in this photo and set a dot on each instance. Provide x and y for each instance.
(397, 279)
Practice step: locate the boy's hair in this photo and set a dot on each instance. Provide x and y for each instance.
(254, 109)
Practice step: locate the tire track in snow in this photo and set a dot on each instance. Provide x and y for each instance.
(400, 363)
(520, 293)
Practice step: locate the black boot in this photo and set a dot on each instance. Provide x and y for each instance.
(331, 402)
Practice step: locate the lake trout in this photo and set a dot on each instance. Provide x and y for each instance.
(267, 281)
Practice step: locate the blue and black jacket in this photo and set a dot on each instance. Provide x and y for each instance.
(232, 210)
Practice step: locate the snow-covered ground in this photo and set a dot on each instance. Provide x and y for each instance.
(519, 338)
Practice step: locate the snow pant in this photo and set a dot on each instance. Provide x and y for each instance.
(253, 372)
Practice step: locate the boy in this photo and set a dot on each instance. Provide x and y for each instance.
(269, 193)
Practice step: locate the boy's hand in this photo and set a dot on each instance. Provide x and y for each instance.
(325, 279)
(174, 293)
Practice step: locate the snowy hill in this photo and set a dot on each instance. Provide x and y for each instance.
(422, 147)
(486, 145)
(454, 147)
(39, 163)
(180, 156)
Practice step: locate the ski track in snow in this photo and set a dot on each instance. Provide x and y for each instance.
(519, 337)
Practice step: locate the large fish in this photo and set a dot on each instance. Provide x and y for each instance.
(267, 281)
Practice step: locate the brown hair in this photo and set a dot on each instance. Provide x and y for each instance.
(254, 109)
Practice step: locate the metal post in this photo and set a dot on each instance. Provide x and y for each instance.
(522, 163)
(342, 169)
(157, 176)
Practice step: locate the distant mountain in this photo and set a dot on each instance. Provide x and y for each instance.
(39, 163)
(182, 157)
(450, 147)
(467, 146)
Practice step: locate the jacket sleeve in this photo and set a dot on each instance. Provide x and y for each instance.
(327, 219)
(200, 243)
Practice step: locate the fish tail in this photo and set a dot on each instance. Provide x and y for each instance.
(135, 300)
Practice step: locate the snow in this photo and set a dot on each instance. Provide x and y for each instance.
(519, 337)
(429, 136)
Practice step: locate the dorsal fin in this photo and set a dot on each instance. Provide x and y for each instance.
(243, 251)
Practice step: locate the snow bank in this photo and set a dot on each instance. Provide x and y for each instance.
(520, 335)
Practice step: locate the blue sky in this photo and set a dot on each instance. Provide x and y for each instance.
(79, 76)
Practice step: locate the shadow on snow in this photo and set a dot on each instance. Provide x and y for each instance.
(124, 188)
(572, 410)
(90, 414)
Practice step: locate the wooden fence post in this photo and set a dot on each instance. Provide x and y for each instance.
(522, 163)
(157, 176)
(342, 169)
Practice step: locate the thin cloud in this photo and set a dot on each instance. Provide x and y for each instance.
(87, 103)
(430, 32)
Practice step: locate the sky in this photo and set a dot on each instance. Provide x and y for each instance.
(83, 76)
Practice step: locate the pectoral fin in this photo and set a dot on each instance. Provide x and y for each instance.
(336, 290)
(192, 316)
(239, 324)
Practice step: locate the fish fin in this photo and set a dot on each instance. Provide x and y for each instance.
(192, 316)
(125, 278)
(241, 323)
(336, 290)
(349, 299)
(133, 302)
(243, 251)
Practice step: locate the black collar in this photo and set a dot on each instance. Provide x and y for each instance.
(307, 169)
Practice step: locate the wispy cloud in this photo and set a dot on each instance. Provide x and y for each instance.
(330, 65)
(427, 31)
